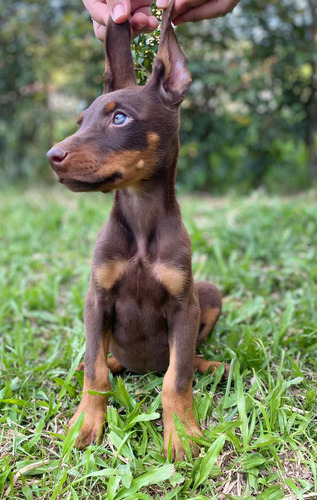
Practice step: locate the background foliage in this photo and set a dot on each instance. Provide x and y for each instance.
(249, 119)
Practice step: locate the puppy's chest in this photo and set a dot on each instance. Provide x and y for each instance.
(141, 278)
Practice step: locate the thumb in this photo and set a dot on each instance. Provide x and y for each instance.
(119, 10)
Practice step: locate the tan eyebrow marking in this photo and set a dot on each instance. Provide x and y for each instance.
(110, 106)
(80, 118)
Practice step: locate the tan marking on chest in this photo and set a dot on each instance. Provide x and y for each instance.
(109, 272)
(172, 278)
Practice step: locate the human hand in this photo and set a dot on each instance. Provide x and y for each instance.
(141, 19)
(137, 11)
(196, 10)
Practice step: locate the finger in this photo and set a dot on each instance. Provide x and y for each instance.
(162, 4)
(139, 4)
(119, 10)
(181, 6)
(152, 24)
(98, 10)
(143, 23)
(142, 10)
(144, 7)
(208, 10)
(100, 31)
(143, 30)
(139, 24)
(138, 21)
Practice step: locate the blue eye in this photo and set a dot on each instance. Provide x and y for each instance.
(120, 118)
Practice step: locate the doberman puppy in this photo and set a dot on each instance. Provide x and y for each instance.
(142, 305)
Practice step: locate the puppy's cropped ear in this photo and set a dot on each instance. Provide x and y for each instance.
(119, 72)
(170, 73)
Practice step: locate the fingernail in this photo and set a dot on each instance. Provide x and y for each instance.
(118, 11)
(162, 4)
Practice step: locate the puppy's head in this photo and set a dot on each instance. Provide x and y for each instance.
(130, 131)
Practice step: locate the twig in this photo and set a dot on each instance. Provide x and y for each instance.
(25, 469)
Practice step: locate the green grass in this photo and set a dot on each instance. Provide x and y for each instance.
(260, 428)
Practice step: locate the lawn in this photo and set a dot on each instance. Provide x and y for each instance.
(260, 427)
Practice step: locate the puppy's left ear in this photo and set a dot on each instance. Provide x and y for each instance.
(119, 72)
(170, 74)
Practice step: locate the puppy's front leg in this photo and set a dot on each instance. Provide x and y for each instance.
(96, 377)
(177, 395)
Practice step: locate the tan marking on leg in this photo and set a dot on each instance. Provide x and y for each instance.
(114, 365)
(109, 272)
(94, 406)
(210, 316)
(204, 366)
(180, 404)
(110, 106)
(172, 278)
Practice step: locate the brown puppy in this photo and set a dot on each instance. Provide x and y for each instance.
(142, 306)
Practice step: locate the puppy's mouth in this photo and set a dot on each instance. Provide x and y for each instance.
(105, 184)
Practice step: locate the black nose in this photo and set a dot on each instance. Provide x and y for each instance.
(56, 155)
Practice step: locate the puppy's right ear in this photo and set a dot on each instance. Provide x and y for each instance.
(119, 72)
(170, 74)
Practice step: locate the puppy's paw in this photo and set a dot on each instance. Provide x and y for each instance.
(172, 439)
(92, 429)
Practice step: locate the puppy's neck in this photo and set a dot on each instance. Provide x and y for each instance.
(145, 207)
